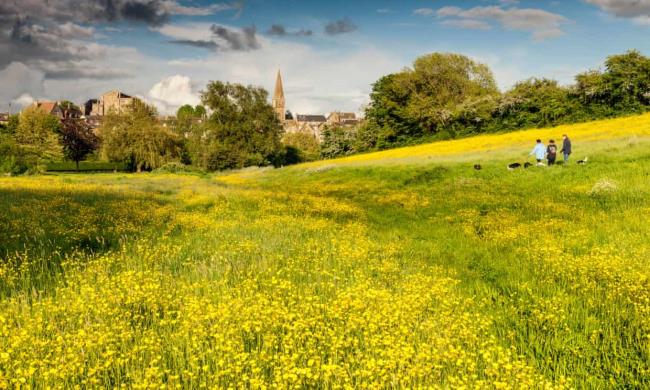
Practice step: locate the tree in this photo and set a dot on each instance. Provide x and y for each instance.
(338, 141)
(627, 80)
(199, 112)
(134, 136)
(185, 112)
(424, 100)
(37, 135)
(535, 103)
(11, 126)
(305, 144)
(78, 140)
(242, 129)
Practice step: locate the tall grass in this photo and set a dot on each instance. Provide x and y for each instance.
(413, 274)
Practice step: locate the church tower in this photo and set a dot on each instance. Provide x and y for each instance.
(278, 99)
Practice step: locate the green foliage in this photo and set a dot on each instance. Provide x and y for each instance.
(304, 144)
(242, 129)
(199, 111)
(447, 95)
(37, 137)
(78, 140)
(11, 126)
(338, 141)
(86, 166)
(177, 167)
(135, 137)
(426, 99)
(12, 160)
(185, 112)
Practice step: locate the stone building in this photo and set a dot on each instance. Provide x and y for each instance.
(313, 124)
(51, 108)
(112, 100)
(278, 101)
(342, 119)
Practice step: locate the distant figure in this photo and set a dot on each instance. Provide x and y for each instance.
(566, 148)
(539, 151)
(551, 152)
(478, 167)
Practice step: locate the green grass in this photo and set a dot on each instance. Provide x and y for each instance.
(397, 275)
(85, 166)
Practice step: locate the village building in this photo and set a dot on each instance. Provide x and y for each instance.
(313, 124)
(342, 119)
(51, 108)
(110, 101)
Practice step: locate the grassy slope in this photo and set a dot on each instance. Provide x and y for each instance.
(402, 267)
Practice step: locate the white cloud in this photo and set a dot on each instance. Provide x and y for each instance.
(624, 8)
(23, 101)
(542, 24)
(424, 11)
(17, 79)
(316, 81)
(638, 11)
(175, 8)
(470, 24)
(171, 93)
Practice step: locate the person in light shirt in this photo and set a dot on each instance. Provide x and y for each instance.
(539, 151)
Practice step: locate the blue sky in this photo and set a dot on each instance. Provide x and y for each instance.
(330, 52)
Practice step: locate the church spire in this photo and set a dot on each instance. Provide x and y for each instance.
(278, 98)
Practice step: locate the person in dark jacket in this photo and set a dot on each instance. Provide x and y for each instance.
(566, 147)
(551, 152)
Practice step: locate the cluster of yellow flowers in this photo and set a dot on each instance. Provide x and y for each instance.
(403, 277)
(244, 288)
(516, 142)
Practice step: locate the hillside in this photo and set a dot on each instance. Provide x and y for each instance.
(592, 135)
(402, 268)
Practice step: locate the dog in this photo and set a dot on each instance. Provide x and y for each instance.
(528, 165)
(583, 162)
(478, 167)
(513, 166)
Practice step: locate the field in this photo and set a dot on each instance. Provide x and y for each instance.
(397, 269)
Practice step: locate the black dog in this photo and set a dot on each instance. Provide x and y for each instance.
(528, 165)
(513, 166)
(478, 167)
(583, 162)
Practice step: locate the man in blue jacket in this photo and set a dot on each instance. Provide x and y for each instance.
(539, 151)
(566, 148)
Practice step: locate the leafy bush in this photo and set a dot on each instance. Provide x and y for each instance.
(86, 166)
(177, 167)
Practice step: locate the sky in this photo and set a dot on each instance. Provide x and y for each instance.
(329, 52)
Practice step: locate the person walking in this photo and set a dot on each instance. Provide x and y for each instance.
(539, 151)
(566, 148)
(551, 152)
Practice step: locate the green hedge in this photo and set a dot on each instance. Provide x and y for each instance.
(86, 166)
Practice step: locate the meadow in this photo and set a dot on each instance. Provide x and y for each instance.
(398, 269)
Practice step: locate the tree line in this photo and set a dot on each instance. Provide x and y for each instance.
(240, 130)
(441, 96)
(445, 96)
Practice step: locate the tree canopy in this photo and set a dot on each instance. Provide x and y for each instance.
(241, 130)
(423, 100)
(78, 140)
(37, 134)
(134, 136)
